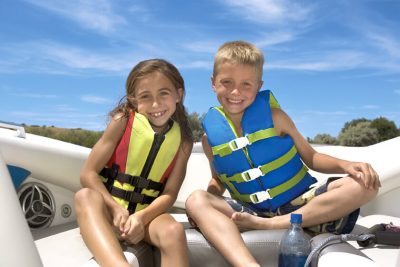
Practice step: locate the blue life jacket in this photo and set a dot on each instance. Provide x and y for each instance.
(260, 168)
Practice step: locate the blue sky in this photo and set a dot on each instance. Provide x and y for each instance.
(64, 63)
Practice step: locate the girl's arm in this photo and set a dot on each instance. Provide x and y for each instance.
(214, 186)
(165, 201)
(99, 157)
(321, 162)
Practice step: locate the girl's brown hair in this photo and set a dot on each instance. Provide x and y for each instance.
(141, 70)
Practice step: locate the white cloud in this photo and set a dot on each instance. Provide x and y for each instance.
(40, 96)
(386, 42)
(54, 58)
(328, 61)
(270, 11)
(95, 99)
(370, 107)
(92, 14)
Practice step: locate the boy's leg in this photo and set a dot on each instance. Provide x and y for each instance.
(342, 197)
(96, 230)
(212, 215)
(169, 236)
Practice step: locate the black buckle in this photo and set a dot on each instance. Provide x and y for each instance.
(135, 197)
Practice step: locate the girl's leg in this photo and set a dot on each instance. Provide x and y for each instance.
(212, 215)
(96, 229)
(169, 236)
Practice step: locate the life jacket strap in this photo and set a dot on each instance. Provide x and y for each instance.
(261, 196)
(241, 142)
(110, 174)
(138, 182)
(262, 170)
(131, 196)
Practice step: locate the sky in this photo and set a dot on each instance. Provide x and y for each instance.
(64, 63)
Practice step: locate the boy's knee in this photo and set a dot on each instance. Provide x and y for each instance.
(196, 199)
(359, 190)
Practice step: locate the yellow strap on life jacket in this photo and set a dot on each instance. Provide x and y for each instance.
(271, 193)
(252, 174)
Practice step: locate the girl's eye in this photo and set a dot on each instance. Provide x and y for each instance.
(144, 97)
(164, 93)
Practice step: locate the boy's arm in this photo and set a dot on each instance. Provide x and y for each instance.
(214, 186)
(321, 162)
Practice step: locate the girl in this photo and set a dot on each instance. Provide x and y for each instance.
(141, 159)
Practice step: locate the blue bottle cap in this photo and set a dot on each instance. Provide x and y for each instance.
(295, 218)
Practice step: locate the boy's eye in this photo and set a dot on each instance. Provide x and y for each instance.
(226, 82)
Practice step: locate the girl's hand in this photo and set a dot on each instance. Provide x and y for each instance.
(119, 217)
(365, 172)
(133, 230)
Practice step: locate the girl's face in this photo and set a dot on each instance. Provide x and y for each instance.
(156, 98)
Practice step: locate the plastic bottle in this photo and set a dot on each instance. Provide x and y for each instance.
(295, 244)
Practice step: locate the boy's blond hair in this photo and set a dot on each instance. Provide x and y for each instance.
(239, 52)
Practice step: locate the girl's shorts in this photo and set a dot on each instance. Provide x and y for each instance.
(340, 226)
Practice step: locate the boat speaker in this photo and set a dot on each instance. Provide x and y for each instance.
(38, 204)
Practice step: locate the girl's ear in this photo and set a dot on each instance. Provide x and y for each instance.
(180, 95)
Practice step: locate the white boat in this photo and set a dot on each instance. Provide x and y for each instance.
(38, 226)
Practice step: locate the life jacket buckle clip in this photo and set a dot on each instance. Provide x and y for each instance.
(251, 174)
(239, 143)
(259, 197)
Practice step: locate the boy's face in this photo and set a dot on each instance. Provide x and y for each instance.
(236, 86)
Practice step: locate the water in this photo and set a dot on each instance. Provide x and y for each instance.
(291, 260)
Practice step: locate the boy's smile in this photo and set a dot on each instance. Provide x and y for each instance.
(236, 86)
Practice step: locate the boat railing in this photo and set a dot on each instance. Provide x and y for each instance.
(13, 126)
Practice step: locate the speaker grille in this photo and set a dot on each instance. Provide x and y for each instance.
(37, 204)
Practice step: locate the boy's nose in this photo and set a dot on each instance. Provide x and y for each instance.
(235, 91)
(155, 104)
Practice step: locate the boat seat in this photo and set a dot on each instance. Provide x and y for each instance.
(68, 245)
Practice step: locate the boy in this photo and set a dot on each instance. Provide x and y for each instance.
(256, 152)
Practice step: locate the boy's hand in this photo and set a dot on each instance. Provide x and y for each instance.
(365, 172)
(133, 230)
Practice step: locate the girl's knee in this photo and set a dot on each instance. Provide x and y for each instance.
(86, 197)
(172, 234)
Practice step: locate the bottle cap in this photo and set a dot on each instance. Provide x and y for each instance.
(295, 218)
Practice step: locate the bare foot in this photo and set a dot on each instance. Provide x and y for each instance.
(246, 221)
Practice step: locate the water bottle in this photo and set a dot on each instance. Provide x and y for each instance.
(295, 244)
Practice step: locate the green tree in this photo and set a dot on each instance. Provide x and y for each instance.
(325, 139)
(359, 134)
(352, 123)
(386, 129)
(195, 125)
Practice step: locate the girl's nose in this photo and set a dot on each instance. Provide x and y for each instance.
(155, 103)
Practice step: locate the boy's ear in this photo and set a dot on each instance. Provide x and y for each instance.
(213, 84)
(260, 84)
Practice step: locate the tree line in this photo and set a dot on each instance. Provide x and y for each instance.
(357, 132)
(361, 132)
